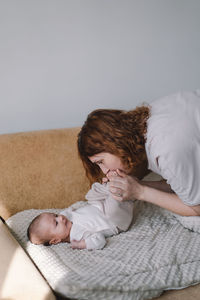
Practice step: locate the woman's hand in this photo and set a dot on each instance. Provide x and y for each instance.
(124, 187)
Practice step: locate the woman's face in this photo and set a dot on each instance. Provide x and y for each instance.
(107, 162)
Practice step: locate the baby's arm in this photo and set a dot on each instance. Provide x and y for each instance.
(95, 241)
(78, 244)
(91, 242)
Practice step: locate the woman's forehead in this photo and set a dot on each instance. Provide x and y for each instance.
(97, 156)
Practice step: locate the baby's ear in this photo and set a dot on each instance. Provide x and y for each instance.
(54, 241)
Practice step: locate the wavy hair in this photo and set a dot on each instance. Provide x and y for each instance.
(118, 132)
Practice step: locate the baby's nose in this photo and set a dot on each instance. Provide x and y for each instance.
(61, 217)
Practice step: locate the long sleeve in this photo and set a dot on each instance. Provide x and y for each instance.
(95, 241)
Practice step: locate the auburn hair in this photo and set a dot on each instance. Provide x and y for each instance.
(118, 132)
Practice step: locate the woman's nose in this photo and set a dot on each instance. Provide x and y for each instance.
(104, 170)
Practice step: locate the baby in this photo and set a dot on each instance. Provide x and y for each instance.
(86, 227)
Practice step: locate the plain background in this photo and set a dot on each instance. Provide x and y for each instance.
(61, 59)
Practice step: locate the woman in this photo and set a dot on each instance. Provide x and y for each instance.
(163, 137)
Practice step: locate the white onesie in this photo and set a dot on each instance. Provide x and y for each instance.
(173, 143)
(101, 217)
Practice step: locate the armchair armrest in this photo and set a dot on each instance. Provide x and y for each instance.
(19, 278)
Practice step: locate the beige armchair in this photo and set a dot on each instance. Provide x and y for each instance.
(40, 170)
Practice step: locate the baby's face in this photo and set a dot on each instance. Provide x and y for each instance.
(56, 228)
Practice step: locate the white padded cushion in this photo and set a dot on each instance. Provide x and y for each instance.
(156, 254)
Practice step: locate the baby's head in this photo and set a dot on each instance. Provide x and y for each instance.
(49, 228)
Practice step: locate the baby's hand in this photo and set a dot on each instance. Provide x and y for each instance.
(78, 244)
(104, 180)
(110, 173)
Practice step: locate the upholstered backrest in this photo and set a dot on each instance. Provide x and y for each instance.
(40, 169)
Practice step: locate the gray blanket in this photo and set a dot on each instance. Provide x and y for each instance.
(156, 254)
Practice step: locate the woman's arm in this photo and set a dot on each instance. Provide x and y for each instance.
(157, 193)
(159, 185)
(169, 201)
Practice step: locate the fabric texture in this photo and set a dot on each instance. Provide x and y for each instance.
(156, 254)
(173, 143)
(19, 277)
(119, 213)
(40, 169)
(103, 216)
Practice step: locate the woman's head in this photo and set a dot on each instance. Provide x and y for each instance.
(117, 132)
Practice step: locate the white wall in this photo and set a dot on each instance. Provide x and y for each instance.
(61, 59)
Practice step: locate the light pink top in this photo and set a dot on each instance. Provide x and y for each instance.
(173, 143)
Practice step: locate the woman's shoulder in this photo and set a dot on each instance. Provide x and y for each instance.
(174, 117)
(180, 101)
(172, 127)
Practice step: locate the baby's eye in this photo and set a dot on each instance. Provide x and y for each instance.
(56, 222)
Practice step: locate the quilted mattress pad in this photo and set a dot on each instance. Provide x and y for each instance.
(160, 251)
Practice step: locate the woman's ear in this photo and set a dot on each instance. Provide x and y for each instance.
(54, 241)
